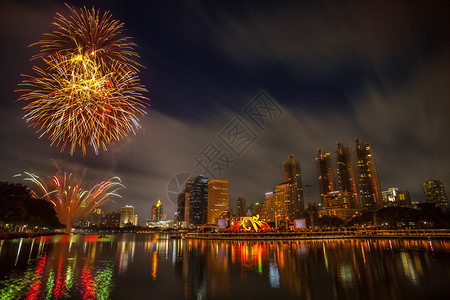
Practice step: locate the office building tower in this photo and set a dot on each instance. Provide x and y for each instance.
(396, 197)
(198, 200)
(285, 195)
(268, 212)
(338, 204)
(292, 175)
(127, 216)
(217, 199)
(435, 193)
(241, 207)
(157, 212)
(324, 173)
(111, 220)
(366, 172)
(346, 174)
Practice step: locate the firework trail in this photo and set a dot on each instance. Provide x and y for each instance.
(66, 193)
(89, 93)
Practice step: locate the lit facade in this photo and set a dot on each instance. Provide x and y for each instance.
(338, 204)
(157, 212)
(218, 200)
(198, 202)
(345, 171)
(284, 196)
(292, 175)
(396, 197)
(269, 211)
(435, 193)
(368, 184)
(324, 172)
(127, 216)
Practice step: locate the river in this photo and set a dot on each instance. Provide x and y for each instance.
(151, 266)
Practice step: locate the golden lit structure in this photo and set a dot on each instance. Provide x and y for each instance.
(217, 199)
(249, 224)
(89, 93)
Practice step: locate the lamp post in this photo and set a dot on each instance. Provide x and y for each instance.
(310, 207)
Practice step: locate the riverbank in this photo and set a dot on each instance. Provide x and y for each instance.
(19, 235)
(318, 235)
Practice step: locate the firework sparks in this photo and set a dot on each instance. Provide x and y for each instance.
(89, 93)
(66, 193)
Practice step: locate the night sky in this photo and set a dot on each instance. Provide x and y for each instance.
(328, 72)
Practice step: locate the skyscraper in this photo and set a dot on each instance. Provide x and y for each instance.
(127, 216)
(217, 199)
(198, 200)
(346, 174)
(183, 203)
(241, 206)
(269, 210)
(324, 173)
(284, 198)
(292, 175)
(157, 212)
(435, 193)
(368, 184)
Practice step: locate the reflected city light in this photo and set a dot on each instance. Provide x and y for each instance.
(87, 267)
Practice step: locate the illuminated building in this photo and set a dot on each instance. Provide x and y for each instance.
(292, 175)
(346, 174)
(183, 203)
(157, 212)
(338, 204)
(241, 207)
(396, 197)
(368, 184)
(217, 199)
(284, 196)
(198, 200)
(110, 220)
(324, 173)
(268, 210)
(435, 193)
(127, 216)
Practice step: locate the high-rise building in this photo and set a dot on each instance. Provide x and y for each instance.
(183, 203)
(127, 216)
(217, 199)
(368, 184)
(241, 206)
(268, 212)
(198, 200)
(435, 193)
(324, 173)
(292, 175)
(346, 174)
(284, 196)
(157, 212)
(338, 203)
(396, 197)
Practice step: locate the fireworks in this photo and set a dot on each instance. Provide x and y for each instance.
(89, 93)
(70, 200)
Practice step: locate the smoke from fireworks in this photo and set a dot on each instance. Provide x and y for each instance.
(66, 193)
(89, 92)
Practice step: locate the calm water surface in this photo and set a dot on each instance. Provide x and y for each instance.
(149, 266)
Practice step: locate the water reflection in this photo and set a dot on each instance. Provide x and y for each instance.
(136, 266)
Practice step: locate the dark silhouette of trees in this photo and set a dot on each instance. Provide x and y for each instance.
(19, 208)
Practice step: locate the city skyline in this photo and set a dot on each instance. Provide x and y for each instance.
(378, 72)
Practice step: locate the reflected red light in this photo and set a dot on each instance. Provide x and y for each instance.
(36, 286)
(88, 284)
